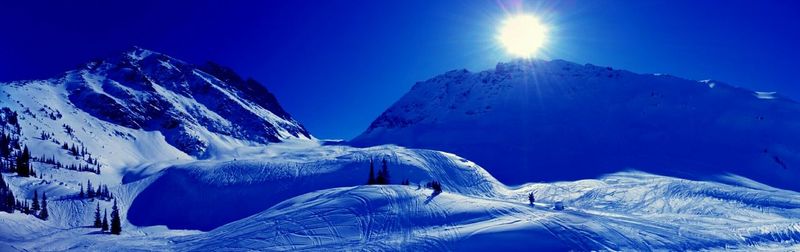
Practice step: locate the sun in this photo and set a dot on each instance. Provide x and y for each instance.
(522, 35)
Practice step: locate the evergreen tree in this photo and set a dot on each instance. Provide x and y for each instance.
(116, 223)
(383, 175)
(81, 194)
(26, 208)
(7, 201)
(386, 178)
(35, 206)
(5, 149)
(44, 214)
(371, 180)
(97, 222)
(89, 189)
(105, 221)
(13, 120)
(531, 199)
(23, 163)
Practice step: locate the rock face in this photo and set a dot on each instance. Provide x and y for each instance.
(193, 107)
(141, 89)
(555, 120)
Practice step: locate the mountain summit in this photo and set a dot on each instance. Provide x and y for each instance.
(555, 120)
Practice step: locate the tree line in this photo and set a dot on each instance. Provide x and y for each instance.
(9, 203)
(101, 192)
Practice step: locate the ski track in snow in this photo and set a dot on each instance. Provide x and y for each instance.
(622, 211)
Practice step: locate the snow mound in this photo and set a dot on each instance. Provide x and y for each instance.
(213, 193)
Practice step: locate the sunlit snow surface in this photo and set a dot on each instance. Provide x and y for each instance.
(765, 95)
(622, 211)
(242, 194)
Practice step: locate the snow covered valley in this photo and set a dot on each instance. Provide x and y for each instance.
(312, 197)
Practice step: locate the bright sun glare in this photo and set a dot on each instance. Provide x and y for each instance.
(522, 35)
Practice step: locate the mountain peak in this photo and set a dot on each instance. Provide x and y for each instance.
(138, 53)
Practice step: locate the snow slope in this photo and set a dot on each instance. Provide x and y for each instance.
(296, 195)
(133, 113)
(555, 120)
(624, 211)
(207, 190)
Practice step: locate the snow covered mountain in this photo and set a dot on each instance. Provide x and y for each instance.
(141, 103)
(555, 120)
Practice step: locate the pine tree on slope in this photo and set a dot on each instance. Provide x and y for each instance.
(371, 180)
(383, 175)
(23, 163)
(116, 223)
(7, 200)
(531, 199)
(105, 221)
(44, 214)
(89, 189)
(35, 205)
(97, 222)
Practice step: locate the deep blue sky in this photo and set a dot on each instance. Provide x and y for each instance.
(336, 65)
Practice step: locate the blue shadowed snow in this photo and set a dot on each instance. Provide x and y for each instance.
(555, 120)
